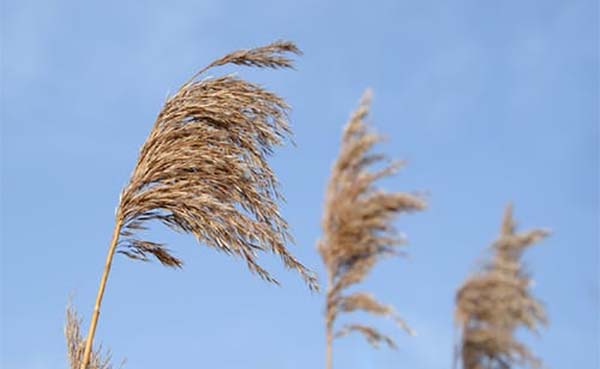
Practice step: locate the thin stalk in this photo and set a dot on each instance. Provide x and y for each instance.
(328, 323)
(328, 349)
(92, 330)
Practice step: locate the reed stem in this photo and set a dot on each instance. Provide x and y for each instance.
(92, 329)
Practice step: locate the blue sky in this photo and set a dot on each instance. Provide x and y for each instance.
(489, 103)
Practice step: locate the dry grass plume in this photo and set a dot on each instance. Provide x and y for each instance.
(203, 170)
(358, 228)
(492, 304)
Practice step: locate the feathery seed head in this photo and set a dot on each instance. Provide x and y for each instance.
(203, 169)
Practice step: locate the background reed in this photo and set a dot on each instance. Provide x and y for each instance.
(492, 304)
(358, 229)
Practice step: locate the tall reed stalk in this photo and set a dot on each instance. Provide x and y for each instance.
(358, 229)
(492, 304)
(203, 170)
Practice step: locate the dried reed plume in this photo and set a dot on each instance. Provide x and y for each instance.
(494, 303)
(358, 228)
(203, 170)
(76, 344)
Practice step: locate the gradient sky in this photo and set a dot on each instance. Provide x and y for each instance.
(489, 103)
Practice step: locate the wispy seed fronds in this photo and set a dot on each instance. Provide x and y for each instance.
(374, 337)
(362, 301)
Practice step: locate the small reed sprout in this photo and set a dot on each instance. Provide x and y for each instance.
(203, 170)
(358, 229)
(99, 359)
(492, 304)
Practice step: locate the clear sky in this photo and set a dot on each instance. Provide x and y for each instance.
(489, 103)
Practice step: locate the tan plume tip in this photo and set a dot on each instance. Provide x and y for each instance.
(492, 304)
(508, 223)
(273, 56)
(203, 169)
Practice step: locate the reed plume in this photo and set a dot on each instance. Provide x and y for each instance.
(492, 304)
(358, 229)
(203, 170)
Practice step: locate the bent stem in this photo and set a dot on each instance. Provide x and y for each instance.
(92, 329)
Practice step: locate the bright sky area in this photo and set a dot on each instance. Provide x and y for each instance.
(488, 103)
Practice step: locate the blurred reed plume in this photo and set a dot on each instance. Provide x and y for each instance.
(203, 170)
(492, 304)
(76, 344)
(358, 228)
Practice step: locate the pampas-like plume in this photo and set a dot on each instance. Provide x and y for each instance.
(494, 303)
(203, 170)
(76, 344)
(358, 228)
